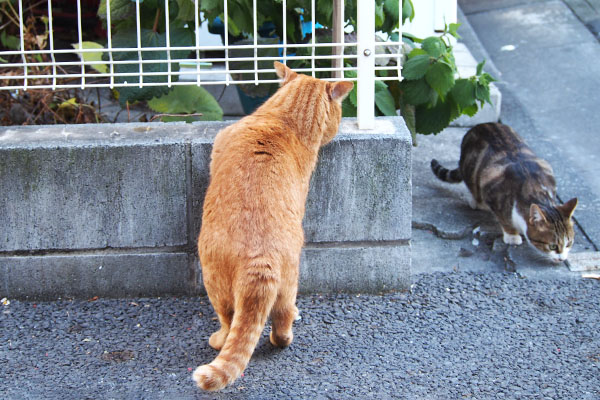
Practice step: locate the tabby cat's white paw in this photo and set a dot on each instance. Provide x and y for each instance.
(472, 203)
(512, 239)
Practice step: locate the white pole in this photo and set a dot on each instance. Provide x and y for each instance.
(338, 37)
(23, 45)
(80, 45)
(51, 39)
(284, 32)
(109, 38)
(365, 22)
(168, 42)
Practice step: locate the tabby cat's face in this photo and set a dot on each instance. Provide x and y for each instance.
(550, 230)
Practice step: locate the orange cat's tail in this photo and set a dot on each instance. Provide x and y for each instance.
(255, 297)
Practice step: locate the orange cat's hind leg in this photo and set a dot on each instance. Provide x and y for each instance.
(217, 339)
(283, 315)
(224, 310)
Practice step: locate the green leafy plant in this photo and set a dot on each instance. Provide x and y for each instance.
(153, 34)
(431, 95)
(192, 102)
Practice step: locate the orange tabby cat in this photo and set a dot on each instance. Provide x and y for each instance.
(251, 235)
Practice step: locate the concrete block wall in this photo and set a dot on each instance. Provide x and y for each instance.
(114, 210)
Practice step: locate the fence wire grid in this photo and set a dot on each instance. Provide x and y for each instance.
(59, 44)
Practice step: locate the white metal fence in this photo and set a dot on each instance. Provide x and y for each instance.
(128, 63)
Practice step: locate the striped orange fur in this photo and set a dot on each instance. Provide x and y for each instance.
(251, 235)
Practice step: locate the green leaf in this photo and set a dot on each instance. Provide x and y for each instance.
(482, 92)
(95, 56)
(486, 79)
(186, 10)
(187, 100)
(416, 51)
(233, 28)
(151, 4)
(480, 67)
(72, 102)
(324, 9)
(455, 110)
(392, 8)
(471, 110)
(149, 39)
(353, 95)
(440, 77)
(464, 93)
(10, 41)
(434, 119)
(207, 5)
(416, 67)
(384, 99)
(379, 15)
(348, 109)
(119, 9)
(434, 46)
(410, 37)
(350, 74)
(408, 11)
(452, 30)
(416, 92)
(408, 113)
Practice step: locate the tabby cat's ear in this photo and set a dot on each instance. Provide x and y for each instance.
(284, 73)
(536, 215)
(339, 90)
(568, 208)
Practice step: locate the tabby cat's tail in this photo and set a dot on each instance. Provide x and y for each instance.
(444, 174)
(253, 303)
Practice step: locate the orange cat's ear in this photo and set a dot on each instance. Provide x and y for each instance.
(284, 73)
(568, 208)
(339, 90)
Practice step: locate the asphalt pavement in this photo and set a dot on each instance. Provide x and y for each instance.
(481, 321)
(453, 336)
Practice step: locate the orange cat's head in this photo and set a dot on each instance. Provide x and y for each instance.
(316, 103)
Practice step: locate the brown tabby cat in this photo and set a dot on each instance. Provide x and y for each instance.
(251, 235)
(505, 177)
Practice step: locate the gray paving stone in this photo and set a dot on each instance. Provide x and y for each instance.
(475, 6)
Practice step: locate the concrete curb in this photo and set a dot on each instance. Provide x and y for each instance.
(114, 210)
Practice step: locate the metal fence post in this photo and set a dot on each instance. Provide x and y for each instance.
(365, 28)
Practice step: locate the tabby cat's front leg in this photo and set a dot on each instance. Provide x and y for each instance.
(511, 238)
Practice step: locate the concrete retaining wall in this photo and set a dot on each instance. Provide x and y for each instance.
(114, 210)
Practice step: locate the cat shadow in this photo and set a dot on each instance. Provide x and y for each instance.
(266, 350)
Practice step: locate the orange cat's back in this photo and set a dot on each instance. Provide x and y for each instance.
(256, 189)
(251, 236)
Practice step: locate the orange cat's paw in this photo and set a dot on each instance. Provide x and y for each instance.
(206, 379)
(281, 340)
(217, 339)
